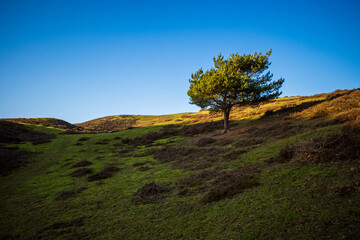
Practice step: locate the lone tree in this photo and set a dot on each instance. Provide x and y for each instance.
(238, 80)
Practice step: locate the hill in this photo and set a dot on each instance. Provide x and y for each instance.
(288, 169)
(49, 122)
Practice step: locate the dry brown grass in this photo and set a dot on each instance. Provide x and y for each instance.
(252, 134)
(197, 179)
(201, 128)
(348, 189)
(107, 172)
(14, 133)
(342, 104)
(11, 132)
(81, 172)
(82, 139)
(334, 147)
(66, 194)
(103, 141)
(49, 122)
(12, 158)
(189, 158)
(348, 116)
(109, 124)
(203, 142)
(144, 168)
(138, 164)
(82, 163)
(230, 183)
(150, 193)
(148, 138)
(287, 110)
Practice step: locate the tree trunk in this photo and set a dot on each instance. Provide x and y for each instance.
(226, 121)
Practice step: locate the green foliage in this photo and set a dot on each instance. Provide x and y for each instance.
(238, 80)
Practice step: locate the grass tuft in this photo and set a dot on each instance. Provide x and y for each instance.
(107, 172)
(150, 193)
(230, 183)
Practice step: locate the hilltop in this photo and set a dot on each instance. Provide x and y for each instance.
(48, 122)
(288, 169)
(341, 102)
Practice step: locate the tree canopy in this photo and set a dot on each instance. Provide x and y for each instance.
(238, 80)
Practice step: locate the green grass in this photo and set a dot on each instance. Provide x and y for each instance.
(290, 201)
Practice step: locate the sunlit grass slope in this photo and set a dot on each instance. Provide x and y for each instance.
(49, 122)
(288, 169)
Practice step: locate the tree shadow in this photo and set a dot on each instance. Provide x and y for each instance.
(288, 110)
(301, 107)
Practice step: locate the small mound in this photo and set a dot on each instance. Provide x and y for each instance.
(198, 178)
(12, 158)
(230, 183)
(206, 127)
(334, 147)
(82, 163)
(148, 138)
(149, 193)
(109, 124)
(348, 190)
(66, 194)
(189, 157)
(144, 168)
(57, 229)
(107, 172)
(78, 222)
(285, 154)
(138, 164)
(49, 122)
(341, 104)
(203, 142)
(82, 139)
(81, 172)
(11, 132)
(103, 141)
(224, 141)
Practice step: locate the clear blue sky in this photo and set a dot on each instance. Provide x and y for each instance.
(79, 60)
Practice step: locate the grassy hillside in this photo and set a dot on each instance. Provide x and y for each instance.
(289, 169)
(49, 122)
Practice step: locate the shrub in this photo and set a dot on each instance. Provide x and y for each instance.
(349, 189)
(351, 115)
(138, 164)
(126, 140)
(65, 194)
(230, 183)
(198, 178)
(333, 147)
(202, 142)
(207, 127)
(188, 157)
(11, 132)
(144, 168)
(107, 172)
(285, 154)
(338, 102)
(81, 172)
(149, 193)
(83, 139)
(82, 163)
(11, 158)
(103, 141)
